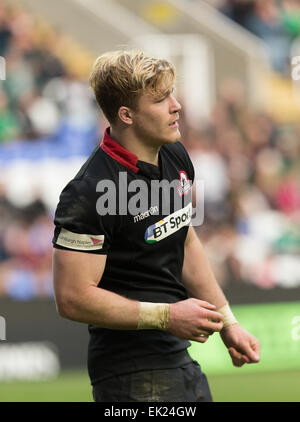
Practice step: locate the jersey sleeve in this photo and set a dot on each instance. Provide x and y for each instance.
(78, 225)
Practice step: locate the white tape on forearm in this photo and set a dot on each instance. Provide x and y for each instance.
(153, 316)
(229, 318)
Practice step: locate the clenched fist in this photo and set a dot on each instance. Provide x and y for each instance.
(194, 319)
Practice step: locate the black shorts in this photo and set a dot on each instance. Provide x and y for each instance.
(184, 384)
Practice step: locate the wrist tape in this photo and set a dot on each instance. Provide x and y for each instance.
(229, 318)
(153, 316)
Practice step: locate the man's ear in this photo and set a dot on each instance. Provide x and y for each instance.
(125, 115)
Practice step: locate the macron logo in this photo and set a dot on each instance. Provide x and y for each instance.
(151, 211)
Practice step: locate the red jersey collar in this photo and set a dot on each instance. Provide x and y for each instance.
(119, 153)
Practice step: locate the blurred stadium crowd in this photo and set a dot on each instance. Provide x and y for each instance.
(46, 110)
(42, 77)
(277, 22)
(251, 169)
(249, 162)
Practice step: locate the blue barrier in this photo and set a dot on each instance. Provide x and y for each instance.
(67, 142)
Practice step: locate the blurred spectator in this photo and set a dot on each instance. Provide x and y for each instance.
(42, 90)
(25, 263)
(44, 100)
(9, 126)
(291, 17)
(251, 169)
(265, 21)
(211, 168)
(277, 22)
(74, 100)
(237, 10)
(5, 30)
(250, 163)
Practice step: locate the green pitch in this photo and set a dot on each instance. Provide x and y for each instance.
(75, 387)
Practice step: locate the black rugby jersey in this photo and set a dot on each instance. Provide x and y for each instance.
(142, 234)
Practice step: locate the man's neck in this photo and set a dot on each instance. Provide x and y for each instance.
(133, 144)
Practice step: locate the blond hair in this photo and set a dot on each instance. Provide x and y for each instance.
(119, 78)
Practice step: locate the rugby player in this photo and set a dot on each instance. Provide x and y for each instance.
(140, 280)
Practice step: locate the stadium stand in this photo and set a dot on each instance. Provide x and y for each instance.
(49, 125)
(276, 22)
(48, 118)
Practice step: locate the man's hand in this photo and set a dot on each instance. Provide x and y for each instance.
(194, 319)
(242, 346)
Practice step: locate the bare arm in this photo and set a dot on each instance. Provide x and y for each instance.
(75, 277)
(200, 283)
(197, 275)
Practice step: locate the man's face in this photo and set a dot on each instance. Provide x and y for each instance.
(155, 121)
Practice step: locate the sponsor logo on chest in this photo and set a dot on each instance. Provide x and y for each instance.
(169, 225)
(143, 215)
